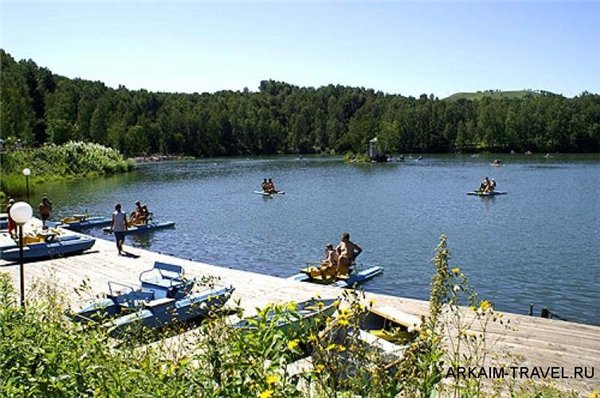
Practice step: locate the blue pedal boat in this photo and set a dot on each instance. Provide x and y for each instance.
(79, 222)
(486, 194)
(144, 228)
(164, 298)
(355, 278)
(47, 247)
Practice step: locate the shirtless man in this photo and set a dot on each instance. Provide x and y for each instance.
(45, 208)
(348, 251)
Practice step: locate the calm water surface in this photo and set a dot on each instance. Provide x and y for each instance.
(538, 244)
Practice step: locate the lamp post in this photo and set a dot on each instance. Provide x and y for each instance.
(21, 212)
(26, 173)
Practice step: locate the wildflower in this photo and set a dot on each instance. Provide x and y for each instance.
(456, 271)
(595, 394)
(343, 321)
(312, 338)
(344, 312)
(266, 394)
(272, 379)
(456, 288)
(485, 305)
(292, 344)
(319, 368)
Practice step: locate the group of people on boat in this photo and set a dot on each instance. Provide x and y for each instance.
(140, 215)
(268, 186)
(487, 185)
(497, 162)
(338, 262)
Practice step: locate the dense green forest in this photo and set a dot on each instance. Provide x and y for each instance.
(39, 107)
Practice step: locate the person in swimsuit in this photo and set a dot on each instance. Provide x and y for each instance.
(136, 215)
(328, 268)
(348, 251)
(45, 208)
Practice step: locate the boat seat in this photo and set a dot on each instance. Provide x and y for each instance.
(166, 280)
(132, 298)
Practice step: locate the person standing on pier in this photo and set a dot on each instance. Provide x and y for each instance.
(12, 226)
(119, 227)
(45, 208)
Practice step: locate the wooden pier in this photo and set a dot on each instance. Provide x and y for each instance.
(535, 342)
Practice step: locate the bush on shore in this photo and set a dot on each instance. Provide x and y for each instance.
(56, 162)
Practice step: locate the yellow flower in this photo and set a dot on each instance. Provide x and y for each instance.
(472, 308)
(456, 271)
(312, 338)
(595, 394)
(485, 305)
(319, 368)
(330, 347)
(343, 321)
(292, 344)
(266, 394)
(344, 312)
(272, 379)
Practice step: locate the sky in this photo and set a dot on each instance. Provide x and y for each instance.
(407, 48)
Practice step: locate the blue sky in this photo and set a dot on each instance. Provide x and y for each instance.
(403, 48)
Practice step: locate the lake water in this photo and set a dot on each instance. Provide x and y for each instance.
(538, 244)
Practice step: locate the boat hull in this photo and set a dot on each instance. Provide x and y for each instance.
(39, 251)
(166, 312)
(89, 223)
(145, 228)
(121, 316)
(263, 193)
(485, 194)
(354, 278)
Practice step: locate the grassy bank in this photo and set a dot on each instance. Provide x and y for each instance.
(57, 162)
(42, 353)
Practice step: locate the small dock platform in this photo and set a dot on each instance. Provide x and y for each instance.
(535, 342)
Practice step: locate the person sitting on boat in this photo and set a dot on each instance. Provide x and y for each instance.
(348, 251)
(265, 185)
(485, 185)
(145, 215)
(270, 187)
(492, 185)
(328, 268)
(136, 215)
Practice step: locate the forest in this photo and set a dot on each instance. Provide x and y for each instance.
(39, 107)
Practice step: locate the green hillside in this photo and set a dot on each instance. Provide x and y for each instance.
(496, 94)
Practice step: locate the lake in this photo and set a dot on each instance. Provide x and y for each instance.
(538, 244)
